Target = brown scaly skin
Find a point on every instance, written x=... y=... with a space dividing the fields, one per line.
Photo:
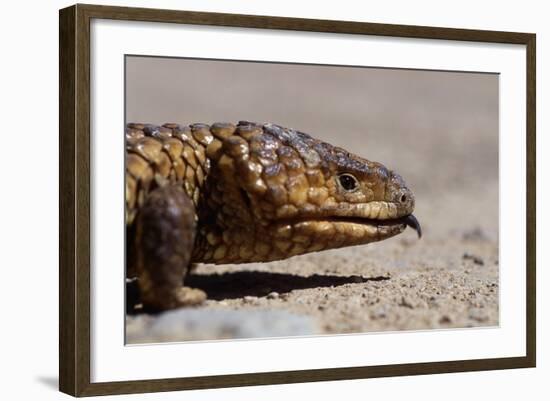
x=246 y=193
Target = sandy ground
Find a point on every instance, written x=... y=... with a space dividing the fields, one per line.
x=439 y=130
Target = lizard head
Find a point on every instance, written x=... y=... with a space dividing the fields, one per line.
x=297 y=195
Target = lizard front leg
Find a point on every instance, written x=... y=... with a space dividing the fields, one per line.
x=164 y=239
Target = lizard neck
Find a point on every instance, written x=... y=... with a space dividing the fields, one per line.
x=171 y=153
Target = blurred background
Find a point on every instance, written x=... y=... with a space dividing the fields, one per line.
x=438 y=129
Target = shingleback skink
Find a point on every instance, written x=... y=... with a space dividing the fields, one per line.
x=250 y=192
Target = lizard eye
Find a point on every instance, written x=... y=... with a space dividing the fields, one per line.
x=348 y=182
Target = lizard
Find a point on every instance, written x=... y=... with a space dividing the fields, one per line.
x=245 y=192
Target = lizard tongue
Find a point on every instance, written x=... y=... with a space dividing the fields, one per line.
x=413 y=223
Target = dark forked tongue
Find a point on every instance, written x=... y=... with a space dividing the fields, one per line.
x=411 y=221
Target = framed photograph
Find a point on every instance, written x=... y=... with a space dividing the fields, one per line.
x=250 y=200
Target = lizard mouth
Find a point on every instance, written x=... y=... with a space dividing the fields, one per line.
x=408 y=221
x=350 y=230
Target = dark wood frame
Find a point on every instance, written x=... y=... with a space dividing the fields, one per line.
x=74 y=199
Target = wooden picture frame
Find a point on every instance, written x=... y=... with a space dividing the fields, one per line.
x=75 y=204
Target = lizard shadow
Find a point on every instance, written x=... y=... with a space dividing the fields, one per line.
x=231 y=285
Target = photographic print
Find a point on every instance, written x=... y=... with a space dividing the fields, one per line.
x=312 y=199
x=269 y=200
